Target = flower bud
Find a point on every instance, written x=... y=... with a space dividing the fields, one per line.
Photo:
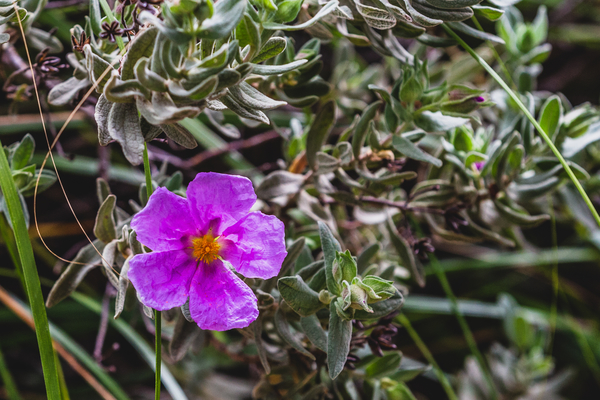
x=377 y=288
x=344 y=267
x=359 y=298
x=411 y=90
x=325 y=296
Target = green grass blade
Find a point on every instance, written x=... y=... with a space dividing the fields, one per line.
x=32 y=281
x=530 y=117
x=464 y=326
x=138 y=343
x=404 y=321
x=7 y=379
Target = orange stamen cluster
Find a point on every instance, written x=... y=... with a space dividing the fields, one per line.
x=205 y=248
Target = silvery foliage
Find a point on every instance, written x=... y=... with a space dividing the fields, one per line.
x=390 y=146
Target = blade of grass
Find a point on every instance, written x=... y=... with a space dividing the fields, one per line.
x=463 y=325
x=9 y=241
x=21 y=310
x=138 y=343
x=32 y=281
x=530 y=117
x=7 y=379
x=564 y=255
x=72 y=347
x=404 y=321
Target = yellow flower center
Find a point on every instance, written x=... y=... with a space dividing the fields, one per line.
x=205 y=248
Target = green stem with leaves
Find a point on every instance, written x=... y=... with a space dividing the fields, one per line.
x=32 y=280
x=530 y=117
x=157 y=315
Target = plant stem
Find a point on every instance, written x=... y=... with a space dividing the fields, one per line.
x=32 y=280
x=428 y=356
x=530 y=117
x=147 y=171
x=157 y=315
x=158 y=351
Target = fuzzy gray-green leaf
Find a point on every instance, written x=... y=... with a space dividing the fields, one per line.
x=299 y=296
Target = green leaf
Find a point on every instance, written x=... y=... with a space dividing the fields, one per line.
x=65 y=92
x=273 y=47
x=250 y=97
x=248 y=34
x=40 y=39
x=464 y=28
x=32 y=281
x=330 y=247
x=519 y=216
x=277 y=69
x=227 y=14
x=104 y=227
x=143 y=45
x=362 y=128
x=489 y=13
x=409 y=149
x=338 y=347
x=452 y=4
x=326 y=10
x=97 y=67
x=345 y=266
x=301 y=298
x=310 y=270
x=287 y=335
x=406 y=254
x=124 y=127
x=288 y=10
x=550 y=115
x=122 y=288
x=86 y=259
x=242 y=110
x=383 y=366
x=326 y=163
x=455 y=14
x=314 y=332
x=375 y=17
x=366 y=256
x=180 y=135
x=279 y=183
x=21 y=155
x=293 y=252
x=438 y=122
x=319 y=131
x=381 y=308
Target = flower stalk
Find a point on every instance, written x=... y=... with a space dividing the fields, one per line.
x=157 y=314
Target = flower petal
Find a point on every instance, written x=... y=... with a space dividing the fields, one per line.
x=164 y=222
x=255 y=245
x=219 y=300
x=162 y=279
x=218 y=196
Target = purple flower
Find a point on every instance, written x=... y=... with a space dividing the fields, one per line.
x=195 y=241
